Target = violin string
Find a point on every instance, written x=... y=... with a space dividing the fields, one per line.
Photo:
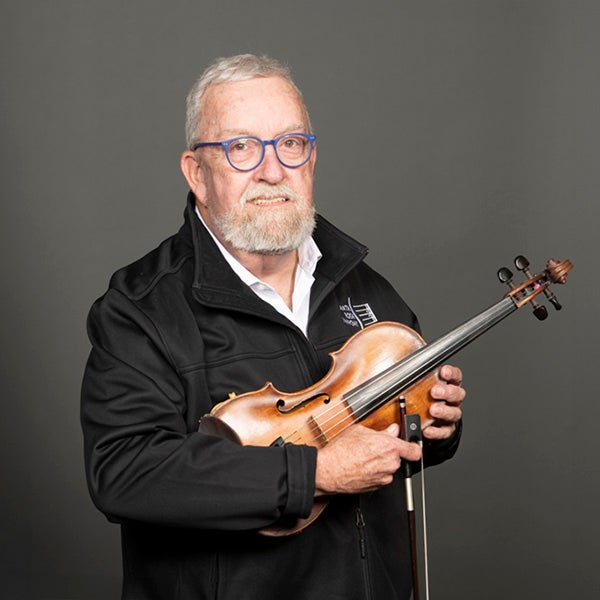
x=402 y=374
x=407 y=371
x=342 y=413
x=353 y=407
x=333 y=421
x=353 y=403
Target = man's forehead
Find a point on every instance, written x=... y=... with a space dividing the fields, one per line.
x=237 y=107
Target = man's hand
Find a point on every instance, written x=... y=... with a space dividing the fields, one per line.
x=362 y=460
x=448 y=411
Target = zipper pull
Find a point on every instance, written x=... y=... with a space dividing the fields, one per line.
x=360 y=525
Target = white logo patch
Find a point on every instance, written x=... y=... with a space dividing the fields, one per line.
x=357 y=315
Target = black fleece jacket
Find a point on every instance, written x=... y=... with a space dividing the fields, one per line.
x=175 y=334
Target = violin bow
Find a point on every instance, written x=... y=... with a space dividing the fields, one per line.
x=410 y=431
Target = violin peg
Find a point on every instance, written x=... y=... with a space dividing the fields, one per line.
x=521 y=263
x=505 y=275
x=540 y=312
x=554 y=301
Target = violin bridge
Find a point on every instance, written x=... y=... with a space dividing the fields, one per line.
x=323 y=432
x=317 y=432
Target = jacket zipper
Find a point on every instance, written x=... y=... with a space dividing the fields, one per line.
x=360 y=525
x=306 y=356
x=359 y=521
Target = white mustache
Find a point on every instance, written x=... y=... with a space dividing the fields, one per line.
x=266 y=191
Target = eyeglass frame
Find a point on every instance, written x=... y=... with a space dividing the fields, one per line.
x=311 y=137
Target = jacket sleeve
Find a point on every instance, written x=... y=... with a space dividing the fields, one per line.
x=143 y=463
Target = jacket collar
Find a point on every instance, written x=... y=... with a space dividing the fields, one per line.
x=215 y=283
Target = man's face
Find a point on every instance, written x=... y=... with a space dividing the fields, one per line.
x=269 y=209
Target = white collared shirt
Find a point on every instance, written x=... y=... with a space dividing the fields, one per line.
x=308 y=256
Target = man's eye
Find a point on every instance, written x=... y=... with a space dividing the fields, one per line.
x=239 y=146
x=291 y=142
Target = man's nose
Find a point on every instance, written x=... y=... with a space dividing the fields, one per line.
x=270 y=169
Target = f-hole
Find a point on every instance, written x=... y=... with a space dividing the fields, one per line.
x=281 y=405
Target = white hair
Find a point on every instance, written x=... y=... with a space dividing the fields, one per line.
x=225 y=70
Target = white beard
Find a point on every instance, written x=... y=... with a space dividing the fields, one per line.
x=275 y=230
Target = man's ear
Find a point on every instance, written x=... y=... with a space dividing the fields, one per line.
x=192 y=172
x=313 y=158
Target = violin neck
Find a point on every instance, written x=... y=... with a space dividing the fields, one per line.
x=429 y=357
x=401 y=375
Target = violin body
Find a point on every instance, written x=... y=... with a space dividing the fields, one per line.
x=318 y=413
x=315 y=415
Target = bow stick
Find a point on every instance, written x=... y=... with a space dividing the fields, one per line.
x=410 y=431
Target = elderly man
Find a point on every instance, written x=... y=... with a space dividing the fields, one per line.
x=253 y=288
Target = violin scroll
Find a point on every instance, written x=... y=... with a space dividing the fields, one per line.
x=557 y=271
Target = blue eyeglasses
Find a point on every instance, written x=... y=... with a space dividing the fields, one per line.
x=246 y=152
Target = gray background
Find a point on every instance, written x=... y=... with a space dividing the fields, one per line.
x=452 y=136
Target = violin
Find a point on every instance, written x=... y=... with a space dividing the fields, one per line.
x=368 y=374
